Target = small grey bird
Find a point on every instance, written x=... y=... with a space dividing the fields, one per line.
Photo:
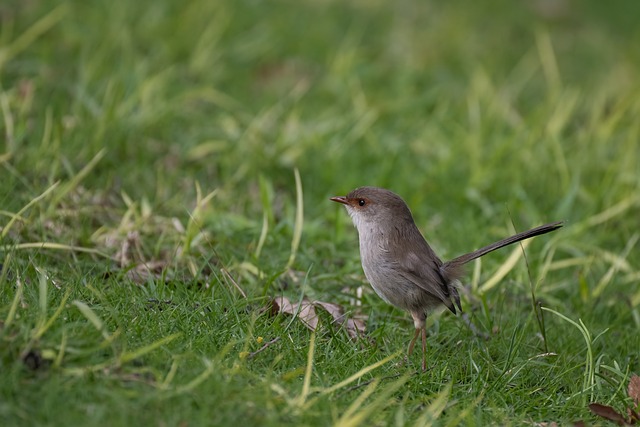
x=399 y=263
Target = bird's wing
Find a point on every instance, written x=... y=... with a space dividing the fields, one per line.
x=422 y=267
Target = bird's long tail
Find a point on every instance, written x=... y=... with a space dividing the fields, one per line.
x=463 y=259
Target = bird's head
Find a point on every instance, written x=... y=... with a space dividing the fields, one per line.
x=373 y=206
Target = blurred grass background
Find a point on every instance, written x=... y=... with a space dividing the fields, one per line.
x=166 y=134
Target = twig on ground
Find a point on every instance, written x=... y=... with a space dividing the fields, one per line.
x=226 y=273
x=263 y=348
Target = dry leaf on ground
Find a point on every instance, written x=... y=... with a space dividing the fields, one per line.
x=305 y=311
x=144 y=271
x=611 y=414
x=634 y=390
x=608 y=413
x=355 y=327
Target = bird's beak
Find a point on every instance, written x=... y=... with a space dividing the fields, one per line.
x=340 y=199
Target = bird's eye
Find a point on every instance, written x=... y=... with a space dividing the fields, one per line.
x=361 y=202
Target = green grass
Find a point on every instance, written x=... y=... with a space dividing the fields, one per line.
x=150 y=210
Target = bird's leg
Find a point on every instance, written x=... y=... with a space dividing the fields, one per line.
x=413 y=342
x=419 y=321
x=424 y=349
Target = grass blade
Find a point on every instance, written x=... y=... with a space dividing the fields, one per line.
x=505 y=268
x=306 y=385
x=14 y=304
x=33 y=201
x=353 y=417
x=589 y=369
x=435 y=409
x=606 y=279
x=32 y=33
x=55 y=246
x=93 y=318
x=75 y=181
x=297 y=228
x=131 y=355
x=362 y=372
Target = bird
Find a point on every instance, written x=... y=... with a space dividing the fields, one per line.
x=399 y=263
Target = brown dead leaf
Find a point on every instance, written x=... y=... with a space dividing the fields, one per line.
x=355 y=327
x=125 y=254
x=612 y=415
x=334 y=310
x=307 y=314
x=143 y=272
x=608 y=413
x=634 y=390
x=305 y=311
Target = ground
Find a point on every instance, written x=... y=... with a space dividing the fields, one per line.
x=165 y=174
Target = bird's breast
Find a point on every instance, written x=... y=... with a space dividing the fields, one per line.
x=382 y=272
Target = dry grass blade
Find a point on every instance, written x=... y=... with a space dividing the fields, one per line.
x=55 y=246
x=614 y=210
x=232 y=280
x=265 y=198
x=8 y=124
x=505 y=268
x=606 y=279
x=32 y=33
x=297 y=228
x=607 y=214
